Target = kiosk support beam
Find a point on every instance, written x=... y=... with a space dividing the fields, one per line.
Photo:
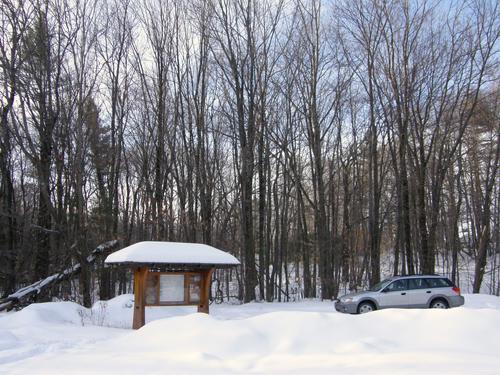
x=205 y=291
x=139 y=290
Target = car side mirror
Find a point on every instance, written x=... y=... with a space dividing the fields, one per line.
x=383 y=291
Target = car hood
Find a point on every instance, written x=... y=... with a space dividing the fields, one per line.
x=356 y=294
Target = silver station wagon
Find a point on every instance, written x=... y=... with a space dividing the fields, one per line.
x=417 y=291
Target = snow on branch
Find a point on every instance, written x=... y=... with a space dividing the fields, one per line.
x=13 y=299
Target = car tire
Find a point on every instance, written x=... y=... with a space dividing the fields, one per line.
x=439 y=303
x=366 y=307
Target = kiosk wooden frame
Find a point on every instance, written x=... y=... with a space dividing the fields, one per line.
x=151 y=260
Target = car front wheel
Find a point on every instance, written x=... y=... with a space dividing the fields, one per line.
x=365 y=307
x=439 y=304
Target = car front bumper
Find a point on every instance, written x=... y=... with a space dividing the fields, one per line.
x=456 y=301
x=346 y=307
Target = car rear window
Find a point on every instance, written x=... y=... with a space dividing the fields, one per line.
x=438 y=282
x=417 y=283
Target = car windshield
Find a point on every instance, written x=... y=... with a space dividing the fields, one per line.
x=380 y=285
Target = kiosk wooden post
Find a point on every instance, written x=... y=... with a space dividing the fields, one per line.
x=139 y=287
x=204 y=304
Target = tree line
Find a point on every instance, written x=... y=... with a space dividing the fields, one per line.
x=325 y=144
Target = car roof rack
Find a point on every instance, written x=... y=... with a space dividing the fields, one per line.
x=418 y=274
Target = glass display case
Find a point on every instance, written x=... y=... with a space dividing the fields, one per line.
x=166 y=288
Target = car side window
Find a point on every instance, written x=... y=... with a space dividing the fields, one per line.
x=437 y=283
x=396 y=286
x=417 y=283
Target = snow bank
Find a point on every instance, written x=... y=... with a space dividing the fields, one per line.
x=44 y=313
x=257 y=338
x=44 y=328
x=481 y=301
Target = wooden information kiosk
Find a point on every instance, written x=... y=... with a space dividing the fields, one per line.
x=171 y=274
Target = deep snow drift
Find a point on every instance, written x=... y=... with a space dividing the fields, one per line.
x=257 y=338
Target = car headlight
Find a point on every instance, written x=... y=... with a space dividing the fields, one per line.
x=349 y=299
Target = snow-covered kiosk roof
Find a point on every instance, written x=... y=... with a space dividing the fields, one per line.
x=172 y=254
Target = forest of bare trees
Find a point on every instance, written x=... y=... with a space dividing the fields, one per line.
x=325 y=144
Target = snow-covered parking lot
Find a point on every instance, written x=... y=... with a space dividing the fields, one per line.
x=257 y=338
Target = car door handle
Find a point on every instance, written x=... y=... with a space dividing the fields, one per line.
x=428 y=291
x=403 y=294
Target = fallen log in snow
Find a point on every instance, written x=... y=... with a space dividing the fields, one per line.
x=15 y=298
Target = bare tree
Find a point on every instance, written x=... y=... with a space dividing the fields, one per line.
x=14 y=23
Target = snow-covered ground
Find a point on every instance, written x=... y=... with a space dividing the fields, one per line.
x=258 y=338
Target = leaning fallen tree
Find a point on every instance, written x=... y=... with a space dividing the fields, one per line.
x=26 y=292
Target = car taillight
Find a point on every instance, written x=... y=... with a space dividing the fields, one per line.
x=456 y=290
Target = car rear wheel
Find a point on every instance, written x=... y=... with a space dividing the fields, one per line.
x=439 y=304
x=365 y=307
